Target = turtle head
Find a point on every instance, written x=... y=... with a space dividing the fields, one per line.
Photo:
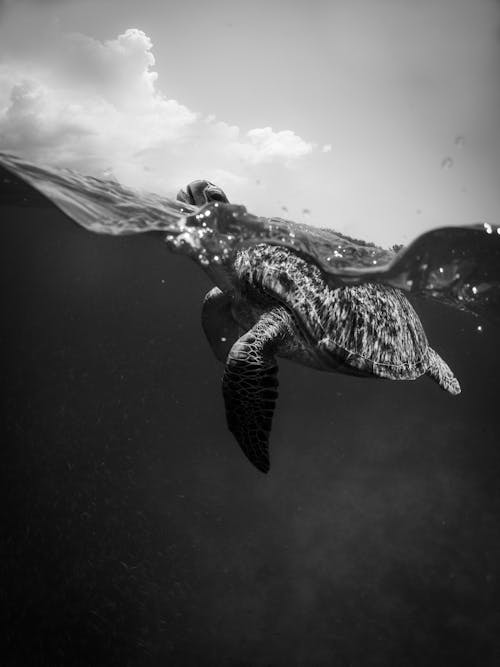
x=199 y=193
x=214 y=232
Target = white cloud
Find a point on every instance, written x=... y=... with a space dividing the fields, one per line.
x=95 y=106
x=265 y=145
x=119 y=69
x=327 y=148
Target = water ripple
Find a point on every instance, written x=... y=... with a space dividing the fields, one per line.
x=457 y=266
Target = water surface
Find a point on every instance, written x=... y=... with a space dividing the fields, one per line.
x=459 y=266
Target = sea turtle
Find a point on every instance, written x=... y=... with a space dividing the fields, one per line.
x=270 y=302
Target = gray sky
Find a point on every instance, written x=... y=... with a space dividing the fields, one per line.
x=381 y=118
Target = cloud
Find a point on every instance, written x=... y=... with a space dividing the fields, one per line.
x=113 y=65
x=96 y=106
x=264 y=145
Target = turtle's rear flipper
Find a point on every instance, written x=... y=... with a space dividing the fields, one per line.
x=442 y=373
x=250 y=385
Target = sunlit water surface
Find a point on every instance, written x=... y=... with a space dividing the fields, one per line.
x=458 y=266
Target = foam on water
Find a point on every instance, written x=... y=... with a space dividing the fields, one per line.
x=458 y=266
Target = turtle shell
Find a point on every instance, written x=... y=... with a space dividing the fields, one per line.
x=370 y=328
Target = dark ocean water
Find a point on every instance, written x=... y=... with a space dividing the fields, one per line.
x=134 y=532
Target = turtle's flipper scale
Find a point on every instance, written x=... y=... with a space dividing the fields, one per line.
x=250 y=385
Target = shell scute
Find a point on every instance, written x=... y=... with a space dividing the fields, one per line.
x=370 y=328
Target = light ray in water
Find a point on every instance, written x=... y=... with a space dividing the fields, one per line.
x=459 y=266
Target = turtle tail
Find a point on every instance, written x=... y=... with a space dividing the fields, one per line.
x=440 y=371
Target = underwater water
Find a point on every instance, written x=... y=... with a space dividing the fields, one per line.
x=134 y=530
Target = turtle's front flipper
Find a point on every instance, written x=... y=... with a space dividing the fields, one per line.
x=250 y=384
x=218 y=324
x=442 y=373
